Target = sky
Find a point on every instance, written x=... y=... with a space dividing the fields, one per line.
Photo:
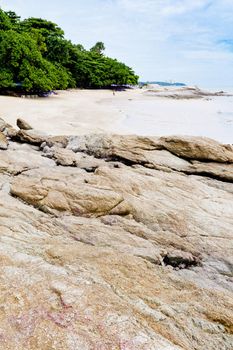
x=188 y=41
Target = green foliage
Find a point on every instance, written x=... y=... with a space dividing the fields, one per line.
x=5 y=22
x=20 y=55
x=98 y=48
x=6 y=78
x=14 y=19
x=35 y=56
x=46 y=28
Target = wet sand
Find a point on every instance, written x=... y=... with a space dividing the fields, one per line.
x=128 y=112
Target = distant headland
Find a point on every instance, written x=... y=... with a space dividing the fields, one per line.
x=161 y=83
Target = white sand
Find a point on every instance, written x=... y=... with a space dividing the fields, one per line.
x=130 y=112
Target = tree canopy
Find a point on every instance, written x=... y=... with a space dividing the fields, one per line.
x=35 y=56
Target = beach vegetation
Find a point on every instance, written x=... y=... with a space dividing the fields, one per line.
x=35 y=56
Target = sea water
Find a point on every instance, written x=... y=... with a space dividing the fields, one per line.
x=211 y=117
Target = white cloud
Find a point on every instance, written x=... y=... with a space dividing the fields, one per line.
x=179 y=7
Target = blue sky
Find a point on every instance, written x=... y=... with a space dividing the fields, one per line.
x=182 y=40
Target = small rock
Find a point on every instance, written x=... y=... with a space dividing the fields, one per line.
x=30 y=136
x=3 y=124
x=7 y=129
x=23 y=125
x=3 y=141
x=10 y=132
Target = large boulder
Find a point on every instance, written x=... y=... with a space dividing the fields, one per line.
x=76 y=195
x=198 y=148
x=137 y=149
x=19 y=158
x=66 y=157
x=130 y=148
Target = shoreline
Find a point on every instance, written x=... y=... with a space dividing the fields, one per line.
x=79 y=112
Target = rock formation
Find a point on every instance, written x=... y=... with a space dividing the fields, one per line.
x=115 y=242
x=182 y=93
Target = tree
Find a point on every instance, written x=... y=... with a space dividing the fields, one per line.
x=98 y=48
x=20 y=56
x=47 y=28
x=13 y=17
x=6 y=79
x=5 y=22
x=35 y=56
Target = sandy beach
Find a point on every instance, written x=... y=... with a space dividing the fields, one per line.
x=127 y=112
